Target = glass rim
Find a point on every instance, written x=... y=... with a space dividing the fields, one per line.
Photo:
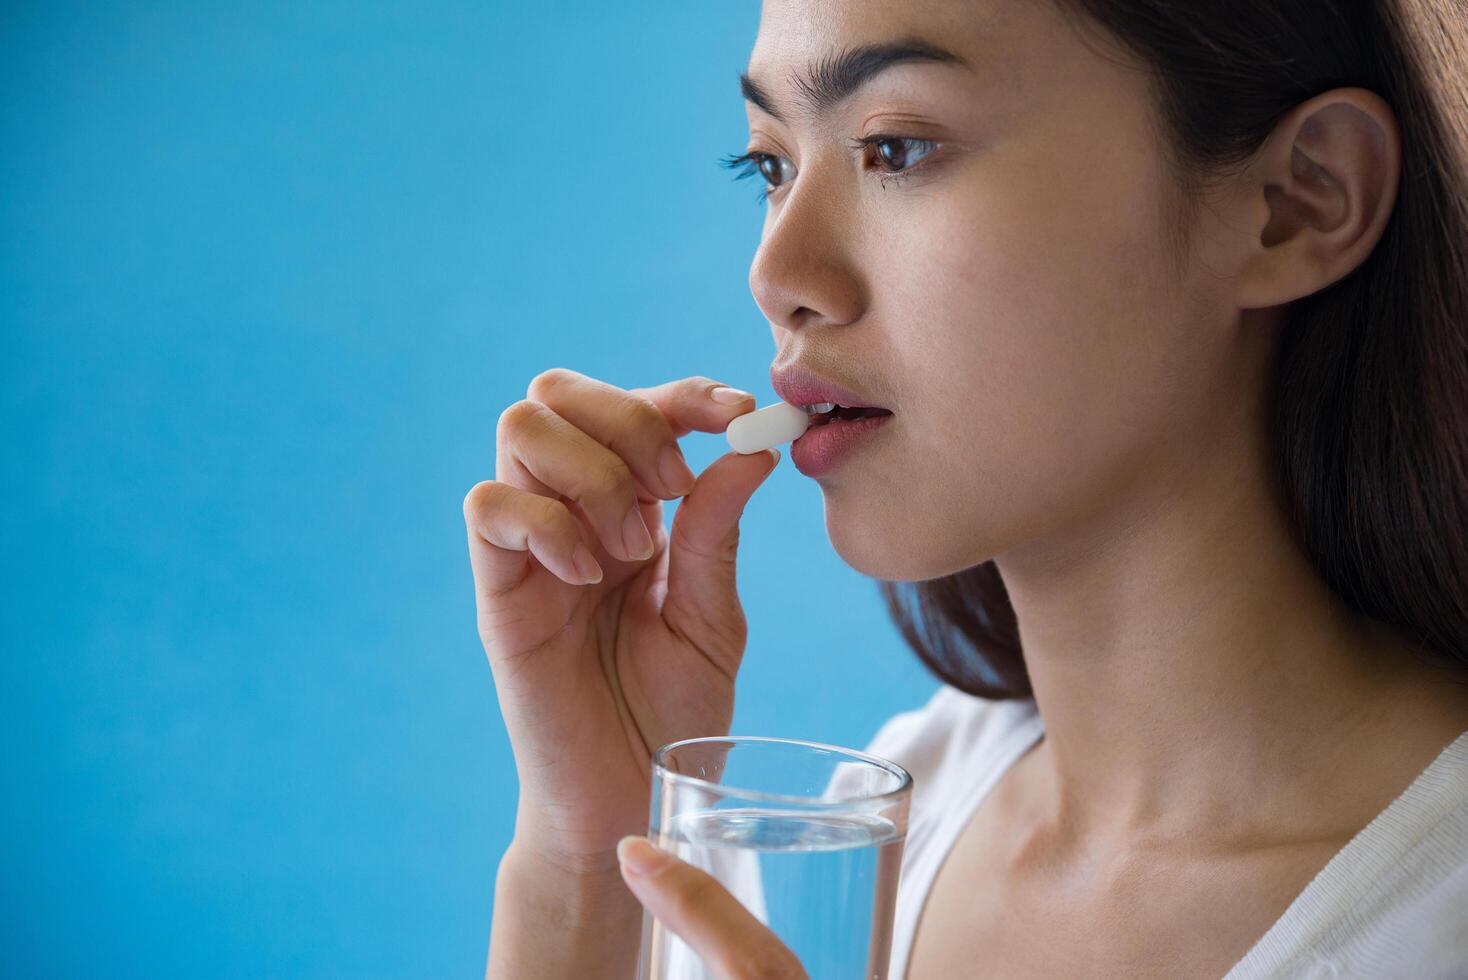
x=904 y=786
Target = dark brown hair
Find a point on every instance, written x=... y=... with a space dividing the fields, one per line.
x=1371 y=381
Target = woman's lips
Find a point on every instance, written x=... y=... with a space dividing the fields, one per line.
x=822 y=447
x=800 y=386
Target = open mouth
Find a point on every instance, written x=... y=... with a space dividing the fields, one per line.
x=842 y=414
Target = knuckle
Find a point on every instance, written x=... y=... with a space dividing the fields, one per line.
x=478 y=498
x=611 y=480
x=725 y=551
x=766 y=966
x=787 y=968
x=547 y=381
x=555 y=514
x=517 y=414
x=638 y=414
x=691 y=897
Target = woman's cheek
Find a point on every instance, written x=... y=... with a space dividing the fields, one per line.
x=1018 y=419
x=1023 y=331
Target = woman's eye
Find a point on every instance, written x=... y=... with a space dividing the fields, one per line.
x=894 y=156
x=898 y=153
x=775 y=170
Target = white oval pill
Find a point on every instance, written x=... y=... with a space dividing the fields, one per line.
x=765 y=428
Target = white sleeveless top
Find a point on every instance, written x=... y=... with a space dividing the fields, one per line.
x=1392 y=903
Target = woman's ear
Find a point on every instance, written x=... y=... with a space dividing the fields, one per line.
x=1323 y=184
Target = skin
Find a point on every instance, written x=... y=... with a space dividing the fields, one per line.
x=1218 y=725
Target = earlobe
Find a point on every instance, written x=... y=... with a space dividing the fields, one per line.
x=1328 y=178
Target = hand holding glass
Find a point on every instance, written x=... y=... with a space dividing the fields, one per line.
x=806 y=836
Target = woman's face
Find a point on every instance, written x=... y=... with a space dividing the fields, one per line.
x=1014 y=297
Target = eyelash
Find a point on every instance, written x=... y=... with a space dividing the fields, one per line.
x=748 y=163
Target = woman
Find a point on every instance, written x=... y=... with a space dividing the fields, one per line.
x=1169 y=303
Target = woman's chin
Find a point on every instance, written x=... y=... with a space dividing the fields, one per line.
x=882 y=548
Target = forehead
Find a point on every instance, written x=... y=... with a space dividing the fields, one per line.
x=795 y=32
x=1008 y=44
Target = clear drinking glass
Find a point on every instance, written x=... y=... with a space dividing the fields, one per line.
x=807 y=836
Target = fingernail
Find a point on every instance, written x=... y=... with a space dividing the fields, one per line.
x=635 y=536
x=677 y=477
x=776 y=453
x=639 y=856
x=586 y=564
x=729 y=396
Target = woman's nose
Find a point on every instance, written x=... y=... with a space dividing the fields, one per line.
x=806 y=266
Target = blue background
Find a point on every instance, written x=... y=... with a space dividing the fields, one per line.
x=269 y=272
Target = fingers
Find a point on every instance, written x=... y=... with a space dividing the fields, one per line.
x=505 y=523
x=640 y=425
x=578 y=449
x=697 y=404
x=702 y=600
x=715 y=925
x=560 y=456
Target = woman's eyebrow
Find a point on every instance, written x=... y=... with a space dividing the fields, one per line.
x=837 y=76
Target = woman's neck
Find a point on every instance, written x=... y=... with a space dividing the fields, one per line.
x=1197 y=678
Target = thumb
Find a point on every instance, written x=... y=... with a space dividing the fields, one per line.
x=702 y=601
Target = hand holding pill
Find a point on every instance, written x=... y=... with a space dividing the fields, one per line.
x=767 y=427
x=602 y=628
